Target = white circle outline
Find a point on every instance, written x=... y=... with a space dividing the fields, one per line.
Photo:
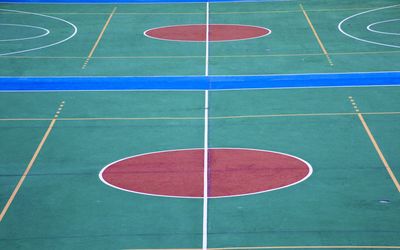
x=231 y=40
x=382 y=32
x=364 y=40
x=310 y=171
x=45 y=46
x=46 y=32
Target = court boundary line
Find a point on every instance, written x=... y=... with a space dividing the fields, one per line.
x=99 y=38
x=31 y=162
x=231 y=117
x=316 y=35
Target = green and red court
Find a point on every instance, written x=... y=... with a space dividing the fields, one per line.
x=191 y=167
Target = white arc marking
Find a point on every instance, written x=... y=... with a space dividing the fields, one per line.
x=45 y=46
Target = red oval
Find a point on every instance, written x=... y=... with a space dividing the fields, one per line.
x=232 y=172
x=217 y=32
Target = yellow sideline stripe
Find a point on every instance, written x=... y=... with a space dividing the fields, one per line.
x=99 y=38
x=378 y=150
x=317 y=36
x=32 y=161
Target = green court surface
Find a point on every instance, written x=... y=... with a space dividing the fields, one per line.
x=305 y=39
x=349 y=200
x=55 y=145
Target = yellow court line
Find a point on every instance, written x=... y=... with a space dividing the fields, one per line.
x=130 y=118
x=317 y=36
x=199 y=117
x=43 y=57
x=32 y=161
x=120 y=13
x=161 y=13
x=303 y=115
x=378 y=150
x=279 y=115
x=284 y=11
x=202 y=56
x=25 y=119
x=99 y=38
x=310 y=54
x=100 y=57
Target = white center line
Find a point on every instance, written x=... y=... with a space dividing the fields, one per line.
x=207 y=36
x=205 y=174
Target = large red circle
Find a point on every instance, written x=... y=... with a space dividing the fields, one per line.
x=232 y=172
x=217 y=32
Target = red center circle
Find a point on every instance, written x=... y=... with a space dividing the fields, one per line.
x=197 y=32
x=232 y=172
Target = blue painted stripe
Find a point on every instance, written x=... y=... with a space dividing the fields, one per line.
x=198 y=83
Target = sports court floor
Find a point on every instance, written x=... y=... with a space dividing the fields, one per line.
x=185 y=166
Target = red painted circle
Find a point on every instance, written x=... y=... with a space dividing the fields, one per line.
x=232 y=172
x=217 y=32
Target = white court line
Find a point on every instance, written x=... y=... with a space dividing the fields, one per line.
x=46 y=32
x=45 y=46
x=207 y=36
x=364 y=40
x=237 y=75
x=205 y=174
x=382 y=32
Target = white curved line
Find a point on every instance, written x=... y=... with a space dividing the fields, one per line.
x=230 y=40
x=45 y=46
x=46 y=32
x=363 y=40
x=310 y=171
x=369 y=27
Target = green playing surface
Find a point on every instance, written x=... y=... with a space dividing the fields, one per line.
x=349 y=135
x=123 y=50
x=63 y=204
